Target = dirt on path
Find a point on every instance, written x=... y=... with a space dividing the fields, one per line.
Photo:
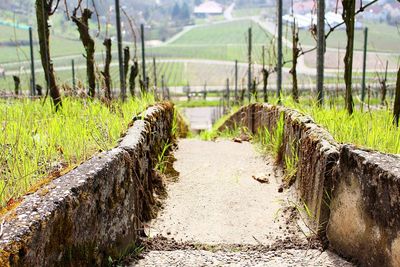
x=218 y=214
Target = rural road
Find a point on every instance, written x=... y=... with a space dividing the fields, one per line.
x=228 y=12
x=218 y=214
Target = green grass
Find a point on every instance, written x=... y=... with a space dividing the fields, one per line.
x=36 y=142
x=271 y=142
x=246 y=12
x=223 y=33
x=369 y=129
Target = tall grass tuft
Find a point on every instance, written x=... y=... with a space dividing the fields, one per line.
x=37 y=143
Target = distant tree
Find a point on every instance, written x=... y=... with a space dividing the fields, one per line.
x=198 y=2
x=185 y=12
x=176 y=11
x=146 y=13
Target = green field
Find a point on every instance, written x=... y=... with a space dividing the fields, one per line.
x=246 y=12
x=175 y=73
x=381 y=37
x=221 y=41
x=59 y=46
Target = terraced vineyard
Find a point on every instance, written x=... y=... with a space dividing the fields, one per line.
x=219 y=41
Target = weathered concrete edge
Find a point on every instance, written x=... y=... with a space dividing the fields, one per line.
x=353 y=193
x=94 y=211
x=316 y=150
x=365 y=209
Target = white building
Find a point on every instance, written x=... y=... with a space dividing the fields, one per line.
x=209 y=8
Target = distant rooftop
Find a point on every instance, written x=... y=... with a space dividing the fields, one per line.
x=209 y=7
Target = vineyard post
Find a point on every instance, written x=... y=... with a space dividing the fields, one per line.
x=167 y=90
x=205 y=91
x=320 y=51
x=364 y=67
x=227 y=93
x=396 y=107
x=249 y=71
x=236 y=81
x=33 y=78
x=120 y=55
x=155 y=72
x=384 y=84
x=163 y=87
x=280 y=56
x=73 y=75
x=143 y=56
x=155 y=77
x=221 y=110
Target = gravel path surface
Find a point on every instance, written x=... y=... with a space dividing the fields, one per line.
x=290 y=257
x=217 y=208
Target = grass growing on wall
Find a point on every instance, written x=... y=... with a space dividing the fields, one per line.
x=36 y=142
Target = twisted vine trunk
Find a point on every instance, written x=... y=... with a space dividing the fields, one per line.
x=83 y=28
x=132 y=77
x=127 y=57
x=265 y=75
x=349 y=19
x=17 y=82
x=106 y=72
x=293 y=71
x=384 y=85
x=396 y=108
x=43 y=12
x=254 y=89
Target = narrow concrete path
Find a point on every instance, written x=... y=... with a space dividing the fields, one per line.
x=217 y=214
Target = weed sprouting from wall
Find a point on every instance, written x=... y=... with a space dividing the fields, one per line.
x=291 y=166
x=272 y=142
x=162 y=160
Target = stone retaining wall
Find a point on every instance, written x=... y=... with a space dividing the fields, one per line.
x=353 y=194
x=95 y=211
